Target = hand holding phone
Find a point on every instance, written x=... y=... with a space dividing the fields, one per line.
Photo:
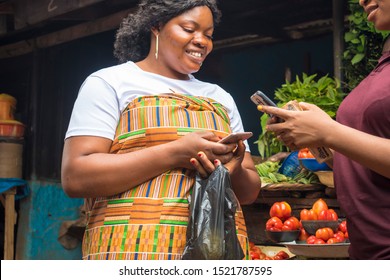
x=235 y=137
x=259 y=98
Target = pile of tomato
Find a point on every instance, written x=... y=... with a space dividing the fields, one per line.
x=257 y=254
x=282 y=220
x=319 y=211
x=305 y=153
x=326 y=235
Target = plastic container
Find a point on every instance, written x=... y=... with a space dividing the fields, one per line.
x=290 y=166
x=313 y=165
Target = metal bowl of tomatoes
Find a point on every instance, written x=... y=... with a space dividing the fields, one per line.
x=282 y=236
x=311 y=226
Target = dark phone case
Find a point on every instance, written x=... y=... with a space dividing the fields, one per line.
x=259 y=98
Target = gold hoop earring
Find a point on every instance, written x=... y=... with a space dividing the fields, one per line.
x=156 y=52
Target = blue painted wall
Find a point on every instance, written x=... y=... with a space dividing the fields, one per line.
x=40 y=217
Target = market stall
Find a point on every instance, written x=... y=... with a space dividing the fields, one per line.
x=296 y=191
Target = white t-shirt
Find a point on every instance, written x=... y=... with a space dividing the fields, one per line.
x=105 y=93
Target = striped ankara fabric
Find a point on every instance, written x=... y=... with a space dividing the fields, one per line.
x=149 y=222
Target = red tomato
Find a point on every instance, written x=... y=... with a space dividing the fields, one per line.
x=314 y=240
x=319 y=205
x=343 y=226
x=286 y=227
x=311 y=239
x=274 y=224
x=302 y=153
x=305 y=153
x=329 y=215
x=308 y=214
x=256 y=249
x=339 y=236
x=283 y=255
x=291 y=223
x=324 y=233
x=254 y=255
x=303 y=235
x=332 y=240
x=282 y=210
x=295 y=221
x=319 y=241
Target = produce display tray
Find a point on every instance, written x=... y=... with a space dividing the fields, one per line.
x=293 y=187
x=320 y=251
x=273 y=250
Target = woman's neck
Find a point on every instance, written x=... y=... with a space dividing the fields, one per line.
x=150 y=64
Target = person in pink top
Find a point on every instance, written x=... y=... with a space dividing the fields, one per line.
x=360 y=139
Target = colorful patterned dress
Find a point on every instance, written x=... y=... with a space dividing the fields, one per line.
x=149 y=222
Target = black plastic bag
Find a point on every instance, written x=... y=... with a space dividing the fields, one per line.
x=211 y=232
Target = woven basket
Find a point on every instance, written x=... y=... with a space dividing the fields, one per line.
x=326 y=178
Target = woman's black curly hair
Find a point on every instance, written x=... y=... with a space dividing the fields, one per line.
x=133 y=36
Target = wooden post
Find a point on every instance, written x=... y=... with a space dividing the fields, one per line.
x=338 y=37
x=10 y=221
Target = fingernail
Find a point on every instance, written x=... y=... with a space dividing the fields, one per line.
x=260 y=107
x=192 y=161
x=216 y=161
x=199 y=154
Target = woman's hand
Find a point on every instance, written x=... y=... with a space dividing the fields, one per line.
x=206 y=166
x=301 y=129
x=203 y=165
x=244 y=178
x=190 y=145
x=238 y=156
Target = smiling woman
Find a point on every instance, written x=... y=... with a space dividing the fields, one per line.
x=140 y=131
x=188 y=39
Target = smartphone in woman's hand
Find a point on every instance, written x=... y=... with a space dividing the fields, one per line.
x=259 y=98
x=235 y=137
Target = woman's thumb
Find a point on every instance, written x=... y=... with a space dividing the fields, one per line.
x=306 y=106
